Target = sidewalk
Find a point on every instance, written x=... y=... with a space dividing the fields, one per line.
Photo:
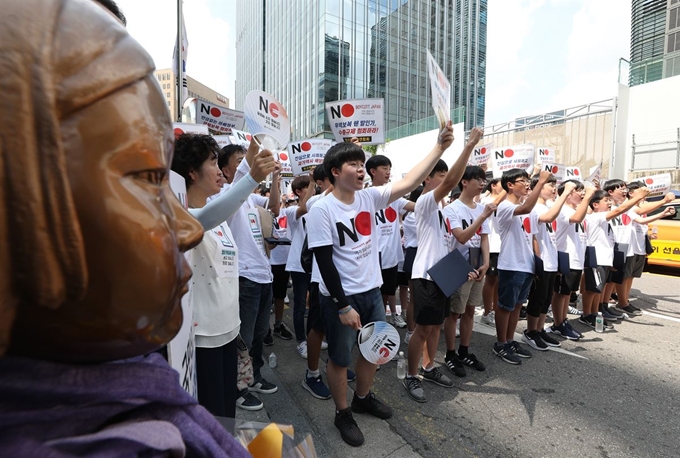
x=292 y=404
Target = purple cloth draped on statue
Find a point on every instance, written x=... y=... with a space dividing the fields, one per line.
x=134 y=407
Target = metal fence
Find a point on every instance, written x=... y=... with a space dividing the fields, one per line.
x=656 y=150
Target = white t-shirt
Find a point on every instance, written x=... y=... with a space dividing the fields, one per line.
x=433 y=231
x=461 y=216
x=623 y=228
x=214 y=288
x=546 y=237
x=410 y=233
x=298 y=230
x=517 y=251
x=279 y=254
x=571 y=238
x=494 y=235
x=601 y=237
x=387 y=222
x=351 y=230
x=638 y=239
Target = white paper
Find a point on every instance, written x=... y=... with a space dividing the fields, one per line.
x=361 y=118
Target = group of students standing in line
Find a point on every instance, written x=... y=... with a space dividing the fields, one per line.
x=355 y=232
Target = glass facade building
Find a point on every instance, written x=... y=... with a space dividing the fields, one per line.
x=671 y=63
x=647 y=36
x=307 y=53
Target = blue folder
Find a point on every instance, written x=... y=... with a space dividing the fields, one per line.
x=451 y=272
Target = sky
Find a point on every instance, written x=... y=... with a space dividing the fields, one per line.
x=542 y=55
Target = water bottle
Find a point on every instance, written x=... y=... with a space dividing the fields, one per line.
x=599 y=322
x=401 y=366
x=272 y=360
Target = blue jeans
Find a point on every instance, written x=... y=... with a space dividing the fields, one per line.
x=301 y=282
x=341 y=338
x=255 y=303
x=513 y=288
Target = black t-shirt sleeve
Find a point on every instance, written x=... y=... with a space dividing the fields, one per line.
x=330 y=275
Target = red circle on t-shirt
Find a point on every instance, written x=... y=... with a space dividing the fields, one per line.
x=527 y=225
x=625 y=219
x=363 y=223
x=283 y=222
x=554 y=226
x=347 y=110
x=391 y=214
x=508 y=153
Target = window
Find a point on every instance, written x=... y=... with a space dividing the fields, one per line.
x=167 y=94
x=674 y=19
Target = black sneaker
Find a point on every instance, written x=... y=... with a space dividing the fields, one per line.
x=436 y=376
x=613 y=311
x=248 y=401
x=605 y=313
x=533 y=338
x=523 y=313
x=505 y=352
x=282 y=332
x=519 y=350
x=588 y=320
x=571 y=328
x=414 y=388
x=549 y=341
x=471 y=361
x=635 y=308
x=263 y=387
x=455 y=366
x=629 y=310
x=607 y=324
x=371 y=404
x=268 y=339
x=349 y=431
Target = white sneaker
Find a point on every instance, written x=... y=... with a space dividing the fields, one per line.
x=407 y=337
x=324 y=345
x=286 y=300
x=489 y=319
x=398 y=321
x=302 y=349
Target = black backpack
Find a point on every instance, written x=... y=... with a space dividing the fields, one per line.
x=306 y=257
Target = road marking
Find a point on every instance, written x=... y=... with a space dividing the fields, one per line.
x=489 y=331
x=664 y=317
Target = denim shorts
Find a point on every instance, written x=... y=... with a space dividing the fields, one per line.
x=513 y=288
x=341 y=339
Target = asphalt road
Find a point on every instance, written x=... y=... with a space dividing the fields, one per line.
x=608 y=395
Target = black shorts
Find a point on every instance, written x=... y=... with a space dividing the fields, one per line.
x=314 y=317
x=389 y=278
x=280 y=283
x=567 y=284
x=493 y=264
x=403 y=278
x=430 y=305
x=540 y=295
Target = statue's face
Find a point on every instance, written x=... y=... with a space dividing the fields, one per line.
x=134 y=229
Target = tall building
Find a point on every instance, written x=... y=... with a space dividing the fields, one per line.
x=654 y=40
x=307 y=53
x=166 y=79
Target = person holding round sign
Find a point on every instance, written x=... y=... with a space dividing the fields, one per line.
x=348 y=270
x=92 y=241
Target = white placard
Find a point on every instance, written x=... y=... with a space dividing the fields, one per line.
x=219 y=119
x=595 y=174
x=559 y=170
x=239 y=137
x=481 y=155
x=441 y=91
x=222 y=140
x=183 y=128
x=307 y=154
x=513 y=157
x=546 y=155
x=267 y=120
x=573 y=173
x=182 y=349
x=658 y=185
x=361 y=118
x=286 y=168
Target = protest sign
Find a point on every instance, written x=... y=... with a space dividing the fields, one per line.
x=595 y=174
x=513 y=157
x=267 y=120
x=219 y=119
x=182 y=349
x=559 y=170
x=307 y=154
x=481 y=155
x=222 y=140
x=573 y=173
x=239 y=137
x=441 y=91
x=658 y=185
x=546 y=155
x=183 y=128
x=286 y=167
x=361 y=118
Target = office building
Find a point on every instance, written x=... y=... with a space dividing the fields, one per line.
x=307 y=53
x=166 y=79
